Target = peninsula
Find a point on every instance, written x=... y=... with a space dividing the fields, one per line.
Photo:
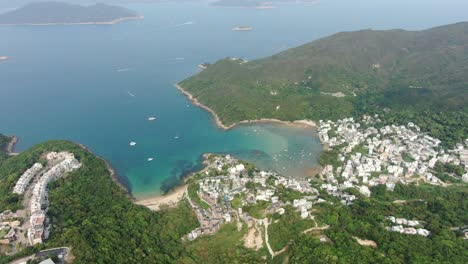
x=390 y=71
x=57 y=13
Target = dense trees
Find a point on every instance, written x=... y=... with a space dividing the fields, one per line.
x=92 y=214
x=4 y=140
x=334 y=76
x=439 y=208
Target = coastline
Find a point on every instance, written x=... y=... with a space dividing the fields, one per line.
x=113 y=173
x=173 y=197
x=219 y=123
x=11 y=145
x=111 y=22
x=169 y=199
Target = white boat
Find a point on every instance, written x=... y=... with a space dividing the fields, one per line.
x=176 y=137
x=150 y=159
x=133 y=143
x=151 y=118
x=242 y=28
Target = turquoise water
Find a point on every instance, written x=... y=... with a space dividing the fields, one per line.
x=98 y=84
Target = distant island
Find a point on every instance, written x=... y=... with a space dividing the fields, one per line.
x=57 y=13
x=259 y=4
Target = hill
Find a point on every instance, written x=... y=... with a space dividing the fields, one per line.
x=45 y=13
x=345 y=73
x=4 y=141
x=93 y=215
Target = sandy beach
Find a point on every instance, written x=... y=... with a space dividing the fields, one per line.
x=169 y=199
x=172 y=198
x=301 y=123
x=112 y=22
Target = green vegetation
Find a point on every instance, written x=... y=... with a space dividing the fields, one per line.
x=4 y=140
x=192 y=193
x=289 y=226
x=440 y=208
x=56 y=12
x=92 y=214
x=237 y=201
x=286 y=194
x=450 y=126
x=419 y=75
x=360 y=149
x=256 y=210
x=330 y=157
x=449 y=172
x=226 y=246
x=407 y=157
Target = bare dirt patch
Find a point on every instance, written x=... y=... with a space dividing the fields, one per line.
x=253 y=239
x=365 y=242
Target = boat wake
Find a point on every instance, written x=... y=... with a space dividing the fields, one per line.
x=129 y=93
x=183 y=24
x=124 y=70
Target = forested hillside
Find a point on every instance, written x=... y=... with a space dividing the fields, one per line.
x=92 y=214
x=344 y=74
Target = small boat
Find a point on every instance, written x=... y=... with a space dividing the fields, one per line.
x=242 y=28
x=151 y=118
x=133 y=143
x=150 y=159
x=176 y=137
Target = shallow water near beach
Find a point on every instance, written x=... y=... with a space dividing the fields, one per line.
x=97 y=85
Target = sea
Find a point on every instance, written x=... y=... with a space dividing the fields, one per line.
x=98 y=84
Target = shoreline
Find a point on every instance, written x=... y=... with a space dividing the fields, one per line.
x=173 y=197
x=219 y=123
x=11 y=145
x=111 y=22
x=169 y=199
x=113 y=173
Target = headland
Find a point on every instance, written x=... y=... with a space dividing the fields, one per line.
x=220 y=124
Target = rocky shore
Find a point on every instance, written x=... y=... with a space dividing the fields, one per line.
x=219 y=123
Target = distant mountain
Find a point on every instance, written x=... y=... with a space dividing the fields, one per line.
x=337 y=75
x=20 y=3
x=64 y=13
x=257 y=3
